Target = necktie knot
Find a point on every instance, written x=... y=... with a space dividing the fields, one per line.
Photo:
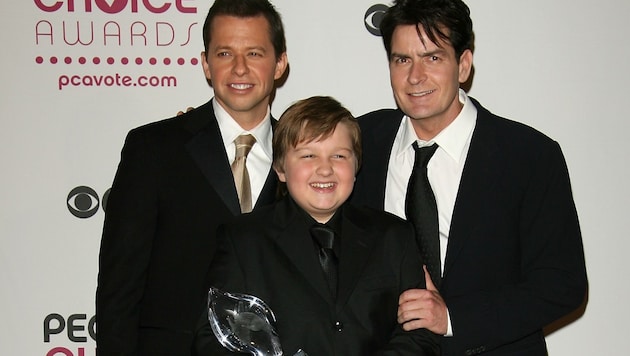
x=244 y=144
x=323 y=235
x=424 y=154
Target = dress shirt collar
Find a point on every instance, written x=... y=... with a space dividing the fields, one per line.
x=334 y=223
x=230 y=130
x=453 y=139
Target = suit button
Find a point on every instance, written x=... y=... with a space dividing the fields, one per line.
x=475 y=351
x=338 y=326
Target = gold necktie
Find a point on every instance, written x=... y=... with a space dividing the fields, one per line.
x=243 y=145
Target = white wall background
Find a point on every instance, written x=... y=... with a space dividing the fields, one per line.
x=561 y=66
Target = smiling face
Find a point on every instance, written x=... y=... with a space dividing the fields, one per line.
x=320 y=174
x=425 y=79
x=242 y=65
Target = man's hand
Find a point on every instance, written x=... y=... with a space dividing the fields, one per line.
x=187 y=110
x=423 y=308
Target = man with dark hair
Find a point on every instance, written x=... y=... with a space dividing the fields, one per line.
x=489 y=198
x=178 y=179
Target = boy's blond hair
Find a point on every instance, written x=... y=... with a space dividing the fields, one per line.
x=311 y=119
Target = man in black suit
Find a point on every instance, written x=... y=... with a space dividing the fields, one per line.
x=271 y=254
x=509 y=250
x=174 y=186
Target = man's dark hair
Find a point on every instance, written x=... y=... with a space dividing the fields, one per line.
x=244 y=9
x=448 y=20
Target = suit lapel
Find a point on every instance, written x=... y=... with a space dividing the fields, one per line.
x=356 y=245
x=269 y=193
x=295 y=242
x=479 y=179
x=378 y=140
x=207 y=149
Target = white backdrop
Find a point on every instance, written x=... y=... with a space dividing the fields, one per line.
x=560 y=66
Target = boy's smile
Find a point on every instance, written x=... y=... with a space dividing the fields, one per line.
x=320 y=174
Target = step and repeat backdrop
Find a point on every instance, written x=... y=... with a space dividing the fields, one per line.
x=77 y=75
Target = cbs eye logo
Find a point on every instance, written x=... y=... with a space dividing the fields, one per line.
x=83 y=202
x=373 y=17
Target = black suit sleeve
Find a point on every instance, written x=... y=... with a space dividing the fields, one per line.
x=128 y=234
x=225 y=274
x=420 y=341
x=553 y=275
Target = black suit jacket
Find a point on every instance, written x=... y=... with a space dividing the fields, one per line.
x=270 y=254
x=514 y=261
x=172 y=189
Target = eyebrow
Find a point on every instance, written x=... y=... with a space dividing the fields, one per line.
x=398 y=55
x=438 y=51
x=434 y=52
x=228 y=47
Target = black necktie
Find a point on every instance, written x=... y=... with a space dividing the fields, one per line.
x=421 y=211
x=325 y=238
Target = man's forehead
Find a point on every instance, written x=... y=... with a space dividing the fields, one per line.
x=244 y=28
x=254 y=20
x=424 y=38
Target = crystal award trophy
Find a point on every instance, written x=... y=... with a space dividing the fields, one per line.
x=244 y=323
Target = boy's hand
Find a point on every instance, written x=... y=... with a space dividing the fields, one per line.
x=423 y=308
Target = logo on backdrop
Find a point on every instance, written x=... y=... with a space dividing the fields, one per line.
x=93 y=42
x=83 y=202
x=78 y=329
x=373 y=17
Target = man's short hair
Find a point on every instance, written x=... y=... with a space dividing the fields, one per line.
x=448 y=20
x=245 y=9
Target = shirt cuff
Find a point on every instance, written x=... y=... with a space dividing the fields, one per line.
x=449 y=329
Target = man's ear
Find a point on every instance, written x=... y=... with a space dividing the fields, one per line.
x=281 y=66
x=465 y=65
x=205 y=65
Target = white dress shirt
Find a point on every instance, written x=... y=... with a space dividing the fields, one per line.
x=444 y=169
x=259 y=158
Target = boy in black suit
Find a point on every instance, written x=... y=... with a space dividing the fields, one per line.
x=273 y=253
